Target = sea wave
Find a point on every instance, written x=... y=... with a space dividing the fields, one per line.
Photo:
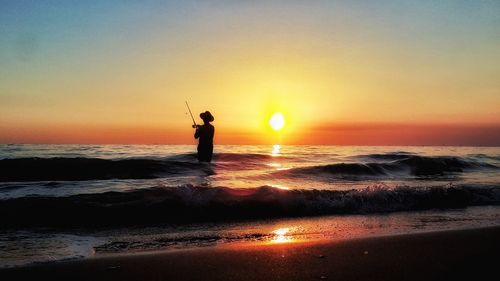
x=410 y=165
x=485 y=156
x=68 y=169
x=238 y=157
x=77 y=169
x=80 y=168
x=199 y=203
x=386 y=156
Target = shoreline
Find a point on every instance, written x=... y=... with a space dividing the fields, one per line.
x=453 y=254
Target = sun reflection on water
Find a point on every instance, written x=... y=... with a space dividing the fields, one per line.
x=276 y=150
x=278 y=186
x=281 y=236
x=274 y=165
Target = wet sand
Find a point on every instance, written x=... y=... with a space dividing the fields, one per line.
x=451 y=255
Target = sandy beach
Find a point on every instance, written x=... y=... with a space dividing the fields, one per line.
x=450 y=255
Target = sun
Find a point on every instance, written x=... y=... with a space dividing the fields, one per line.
x=277 y=121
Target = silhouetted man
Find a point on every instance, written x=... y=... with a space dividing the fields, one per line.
x=205 y=134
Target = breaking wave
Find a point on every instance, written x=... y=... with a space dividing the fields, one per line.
x=197 y=203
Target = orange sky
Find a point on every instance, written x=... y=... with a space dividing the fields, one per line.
x=368 y=73
x=334 y=134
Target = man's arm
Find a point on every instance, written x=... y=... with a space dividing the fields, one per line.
x=197 y=133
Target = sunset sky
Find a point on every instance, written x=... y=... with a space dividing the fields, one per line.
x=340 y=72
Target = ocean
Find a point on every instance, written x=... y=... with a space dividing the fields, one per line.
x=60 y=202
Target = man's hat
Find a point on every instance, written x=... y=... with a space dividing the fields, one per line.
x=207 y=116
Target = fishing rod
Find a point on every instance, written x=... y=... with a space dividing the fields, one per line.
x=194 y=122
